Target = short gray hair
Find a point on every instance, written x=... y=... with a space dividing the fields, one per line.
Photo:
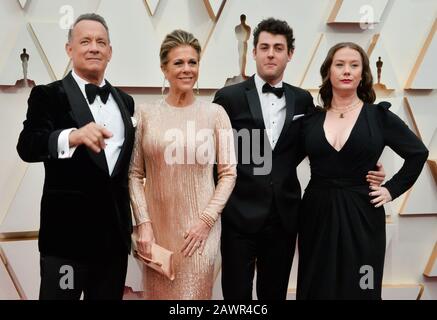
x=92 y=17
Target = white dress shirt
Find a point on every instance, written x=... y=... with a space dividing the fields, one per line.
x=107 y=115
x=273 y=110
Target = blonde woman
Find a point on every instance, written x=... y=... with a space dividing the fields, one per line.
x=178 y=139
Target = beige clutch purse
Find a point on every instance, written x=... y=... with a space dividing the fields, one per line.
x=161 y=261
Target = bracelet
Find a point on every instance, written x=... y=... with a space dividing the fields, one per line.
x=207 y=219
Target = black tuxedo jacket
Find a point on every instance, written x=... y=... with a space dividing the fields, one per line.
x=252 y=197
x=85 y=211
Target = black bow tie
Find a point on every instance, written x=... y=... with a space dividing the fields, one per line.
x=92 y=90
x=276 y=91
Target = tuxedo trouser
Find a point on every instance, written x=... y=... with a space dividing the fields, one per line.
x=66 y=279
x=270 y=251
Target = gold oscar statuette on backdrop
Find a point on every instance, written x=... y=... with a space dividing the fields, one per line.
x=25 y=82
x=242 y=33
x=379 y=85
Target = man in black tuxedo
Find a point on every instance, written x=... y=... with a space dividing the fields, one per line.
x=81 y=128
x=259 y=222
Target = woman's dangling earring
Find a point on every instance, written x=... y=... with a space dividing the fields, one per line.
x=197 y=89
x=163 y=88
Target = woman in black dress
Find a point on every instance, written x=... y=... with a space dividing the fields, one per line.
x=342 y=227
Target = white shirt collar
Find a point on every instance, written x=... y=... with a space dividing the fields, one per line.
x=82 y=82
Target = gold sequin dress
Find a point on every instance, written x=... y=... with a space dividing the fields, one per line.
x=172 y=185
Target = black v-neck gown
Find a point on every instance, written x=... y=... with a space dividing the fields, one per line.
x=341 y=234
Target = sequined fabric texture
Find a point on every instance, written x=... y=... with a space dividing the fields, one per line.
x=171 y=184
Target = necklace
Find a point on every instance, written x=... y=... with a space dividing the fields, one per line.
x=345 y=110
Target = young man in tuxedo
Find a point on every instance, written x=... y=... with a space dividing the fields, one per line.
x=259 y=222
x=81 y=129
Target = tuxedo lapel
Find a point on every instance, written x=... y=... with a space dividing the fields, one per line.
x=254 y=103
x=82 y=114
x=289 y=107
x=128 y=130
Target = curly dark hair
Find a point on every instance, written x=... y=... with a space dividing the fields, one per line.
x=364 y=91
x=274 y=26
